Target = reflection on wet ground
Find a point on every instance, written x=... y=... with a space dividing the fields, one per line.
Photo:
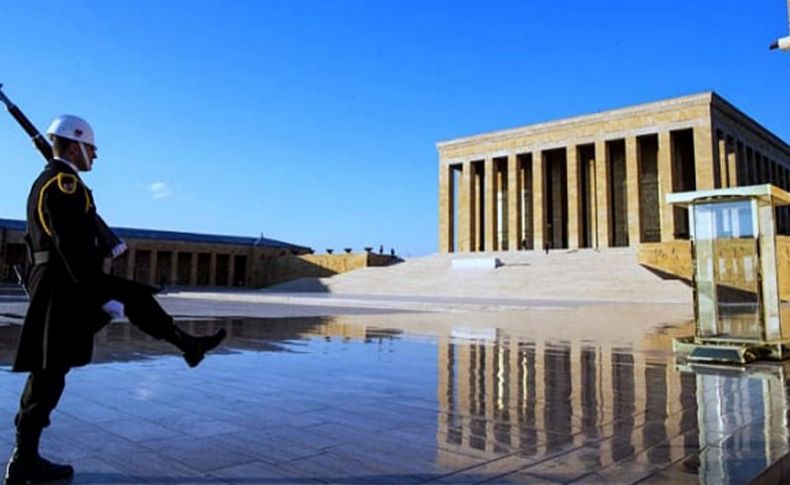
x=319 y=400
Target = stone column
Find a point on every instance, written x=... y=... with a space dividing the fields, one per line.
x=757 y=167
x=503 y=216
x=131 y=255
x=193 y=269
x=748 y=174
x=538 y=212
x=490 y=190
x=173 y=267
x=665 y=186
x=514 y=215
x=632 y=189
x=465 y=205
x=153 y=265
x=445 y=208
x=574 y=204
x=601 y=195
x=212 y=273
x=591 y=212
x=703 y=158
x=764 y=177
x=774 y=175
x=733 y=164
x=479 y=209
x=721 y=146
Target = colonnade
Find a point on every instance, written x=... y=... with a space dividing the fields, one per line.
x=576 y=187
x=187 y=268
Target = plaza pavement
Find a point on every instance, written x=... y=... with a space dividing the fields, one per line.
x=358 y=388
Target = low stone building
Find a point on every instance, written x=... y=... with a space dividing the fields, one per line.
x=172 y=258
x=600 y=180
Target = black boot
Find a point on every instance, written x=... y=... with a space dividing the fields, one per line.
x=195 y=348
x=27 y=466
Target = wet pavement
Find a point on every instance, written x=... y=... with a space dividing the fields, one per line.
x=330 y=400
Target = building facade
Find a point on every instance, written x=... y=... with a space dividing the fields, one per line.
x=600 y=180
x=169 y=258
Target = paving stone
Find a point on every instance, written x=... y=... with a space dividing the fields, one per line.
x=260 y=472
x=196 y=426
x=152 y=467
x=266 y=448
x=210 y=454
x=138 y=430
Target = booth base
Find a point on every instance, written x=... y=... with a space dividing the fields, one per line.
x=729 y=352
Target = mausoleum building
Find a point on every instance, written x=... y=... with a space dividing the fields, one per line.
x=600 y=180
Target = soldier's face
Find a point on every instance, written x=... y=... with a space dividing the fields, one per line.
x=85 y=156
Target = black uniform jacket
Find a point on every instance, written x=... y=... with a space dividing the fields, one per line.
x=66 y=291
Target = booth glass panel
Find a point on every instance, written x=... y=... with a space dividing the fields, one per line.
x=768 y=272
x=727 y=270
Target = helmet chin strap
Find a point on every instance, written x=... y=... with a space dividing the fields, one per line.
x=88 y=161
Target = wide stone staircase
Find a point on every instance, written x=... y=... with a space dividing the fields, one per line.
x=579 y=275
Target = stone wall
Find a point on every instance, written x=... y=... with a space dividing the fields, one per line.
x=286 y=268
x=673 y=259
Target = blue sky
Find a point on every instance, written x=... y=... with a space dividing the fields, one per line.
x=316 y=122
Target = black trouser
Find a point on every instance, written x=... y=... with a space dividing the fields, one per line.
x=40 y=396
x=140 y=306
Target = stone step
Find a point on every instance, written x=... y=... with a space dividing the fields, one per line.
x=610 y=275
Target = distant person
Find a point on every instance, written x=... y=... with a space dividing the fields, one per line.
x=71 y=298
x=381 y=249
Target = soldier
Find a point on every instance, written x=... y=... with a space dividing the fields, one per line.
x=71 y=298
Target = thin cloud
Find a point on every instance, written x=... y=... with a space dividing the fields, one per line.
x=159 y=190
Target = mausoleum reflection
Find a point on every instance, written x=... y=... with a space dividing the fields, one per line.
x=508 y=396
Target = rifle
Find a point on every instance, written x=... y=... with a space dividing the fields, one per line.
x=108 y=241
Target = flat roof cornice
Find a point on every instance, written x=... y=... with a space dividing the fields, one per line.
x=733 y=112
x=189 y=237
x=663 y=105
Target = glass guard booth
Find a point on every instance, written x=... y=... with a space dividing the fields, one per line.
x=737 y=297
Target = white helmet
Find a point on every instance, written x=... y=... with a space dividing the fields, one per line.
x=72 y=128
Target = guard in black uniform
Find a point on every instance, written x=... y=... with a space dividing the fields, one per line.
x=71 y=298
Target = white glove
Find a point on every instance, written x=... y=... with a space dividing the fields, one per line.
x=113 y=308
x=119 y=249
